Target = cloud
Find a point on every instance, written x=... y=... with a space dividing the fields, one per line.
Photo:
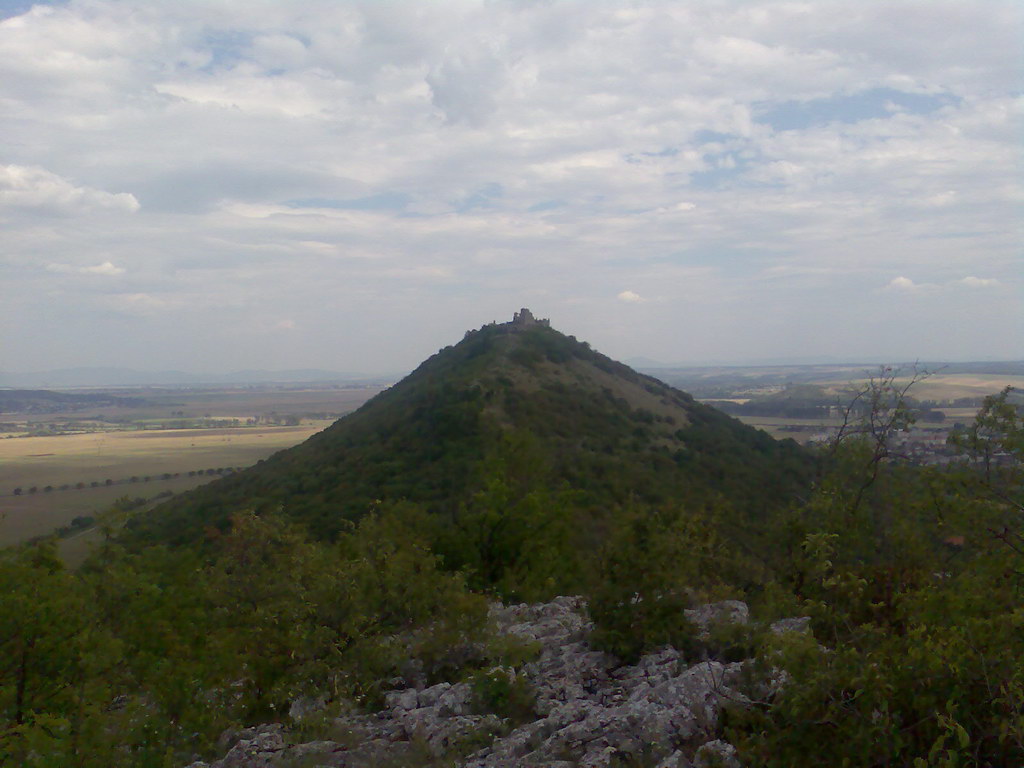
x=901 y=284
x=906 y=285
x=359 y=164
x=978 y=282
x=143 y=304
x=107 y=268
x=37 y=189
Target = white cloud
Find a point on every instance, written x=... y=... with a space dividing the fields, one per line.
x=906 y=285
x=107 y=268
x=141 y=303
x=345 y=161
x=979 y=282
x=37 y=189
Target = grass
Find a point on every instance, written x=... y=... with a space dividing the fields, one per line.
x=27 y=516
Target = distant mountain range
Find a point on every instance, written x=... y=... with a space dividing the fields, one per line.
x=129 y=377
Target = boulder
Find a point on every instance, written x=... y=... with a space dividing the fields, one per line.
x=716 y=754
x=725 y=612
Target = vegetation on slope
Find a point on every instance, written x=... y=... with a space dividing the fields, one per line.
x=911 y=577
x=594 y=426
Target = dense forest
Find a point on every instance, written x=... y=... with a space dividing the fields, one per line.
x=581 y=422
x=328 y=569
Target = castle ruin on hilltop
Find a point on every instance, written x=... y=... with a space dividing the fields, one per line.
x=524 y=319
x=521 y=321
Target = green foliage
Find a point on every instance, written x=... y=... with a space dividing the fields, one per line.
x=596 y=428
x=923 y=642
x=656 y=563
x=505 y=693
x=885 y=694
x=521 y=465
x=140 y=657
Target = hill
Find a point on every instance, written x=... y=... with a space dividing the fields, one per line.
x=519 y=398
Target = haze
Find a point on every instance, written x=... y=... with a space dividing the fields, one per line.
x=350 y=185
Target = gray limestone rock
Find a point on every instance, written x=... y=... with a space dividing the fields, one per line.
x=716 y=754
x=798 y=624
x=676 y=760
x=591 y=711
x=724 y=612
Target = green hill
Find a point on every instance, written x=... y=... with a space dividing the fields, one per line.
x=566 y=416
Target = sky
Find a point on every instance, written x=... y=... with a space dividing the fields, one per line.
x=213 y=185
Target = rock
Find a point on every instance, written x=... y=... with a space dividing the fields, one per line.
x=591 y=711
x=716 y=754
x=724 y=612
x=800 y=624
x=305 y=706
x=428 y=696
x=257 y=752
x=310 y=749
x=456 y=700
x=676 y=760
x=402 y=700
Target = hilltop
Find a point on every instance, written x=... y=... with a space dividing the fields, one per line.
x=518 y=398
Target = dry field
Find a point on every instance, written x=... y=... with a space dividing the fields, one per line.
x=226 y=403
x=952 y=386
x=776 y=426
x=119 y=456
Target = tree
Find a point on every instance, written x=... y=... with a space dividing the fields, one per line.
x=47 y=646
x=878 y=410
x=914 y=658
x=993 y=470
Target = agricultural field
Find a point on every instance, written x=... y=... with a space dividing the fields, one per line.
x=949 y=387
x=94 y=458
x=781 y=428
x=951 y=397
x=142 y=463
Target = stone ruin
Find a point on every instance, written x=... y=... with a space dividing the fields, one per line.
x=524 y=318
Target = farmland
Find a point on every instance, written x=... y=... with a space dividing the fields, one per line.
x=55 y=467
x=777 y=399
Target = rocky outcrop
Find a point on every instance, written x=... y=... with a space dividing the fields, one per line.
x=590 y=711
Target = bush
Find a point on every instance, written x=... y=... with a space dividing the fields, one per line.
x=503 y=692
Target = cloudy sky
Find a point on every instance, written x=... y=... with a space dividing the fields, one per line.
x=219 y=184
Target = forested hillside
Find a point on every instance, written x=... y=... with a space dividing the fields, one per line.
x=539 y=404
